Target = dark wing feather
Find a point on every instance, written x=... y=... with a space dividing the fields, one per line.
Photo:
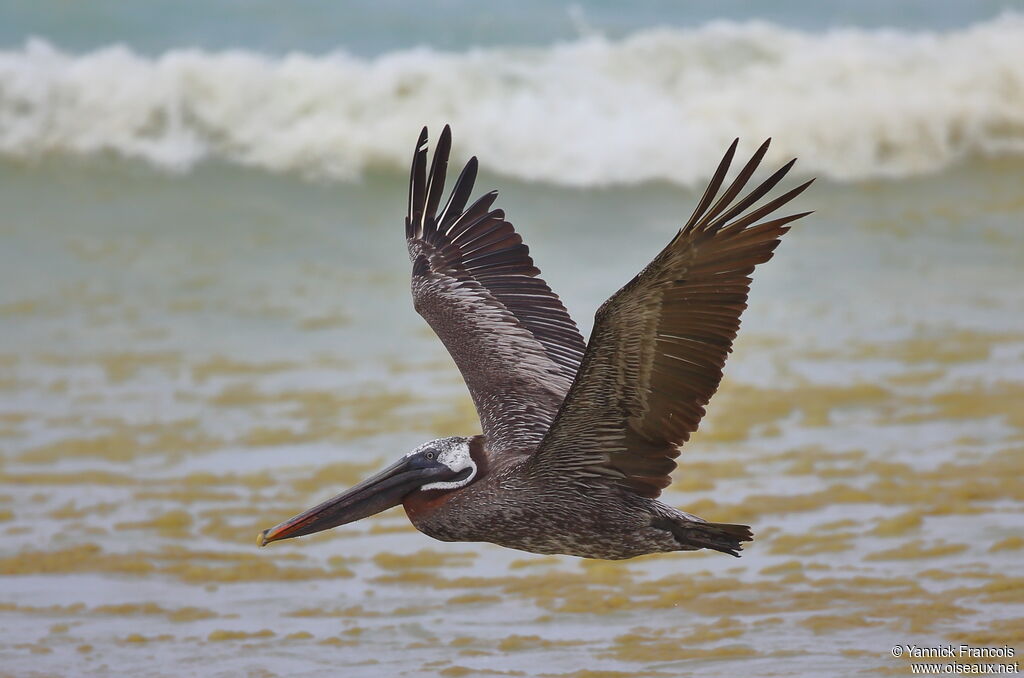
x=474 y=282
x=656 y=354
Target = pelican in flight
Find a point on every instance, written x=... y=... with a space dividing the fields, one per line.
x=579 y=439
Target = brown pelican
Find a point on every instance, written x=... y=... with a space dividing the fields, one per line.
x=578 y=439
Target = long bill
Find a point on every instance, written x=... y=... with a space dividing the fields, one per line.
x=373 y=495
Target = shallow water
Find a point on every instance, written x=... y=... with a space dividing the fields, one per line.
x=205 y=327
x=185 y=360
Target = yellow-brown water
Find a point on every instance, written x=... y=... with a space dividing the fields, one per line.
x=185 y=361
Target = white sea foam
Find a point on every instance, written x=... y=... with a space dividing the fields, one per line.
x=659 y=104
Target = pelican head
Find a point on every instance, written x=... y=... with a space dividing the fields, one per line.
x=443 y=464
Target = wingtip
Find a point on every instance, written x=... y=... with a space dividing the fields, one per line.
x=726 y=162
x=799 y=215
x=784 y=170
x=803 y=187
x=755 y=160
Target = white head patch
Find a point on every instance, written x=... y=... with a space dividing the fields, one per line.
x=454 y=453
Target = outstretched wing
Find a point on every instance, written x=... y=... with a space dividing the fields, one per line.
x=474 y=282
x=656 y=354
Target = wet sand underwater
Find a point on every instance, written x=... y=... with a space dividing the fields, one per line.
x=188 y=359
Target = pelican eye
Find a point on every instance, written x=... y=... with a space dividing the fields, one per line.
x=429 y=455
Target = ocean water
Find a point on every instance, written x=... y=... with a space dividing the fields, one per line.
x=205 y=327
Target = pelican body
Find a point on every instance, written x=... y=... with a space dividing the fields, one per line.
x=579 y=439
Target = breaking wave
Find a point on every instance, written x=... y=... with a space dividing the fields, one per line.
x=660 y=104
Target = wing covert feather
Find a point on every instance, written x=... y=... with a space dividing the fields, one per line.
x=659 y=344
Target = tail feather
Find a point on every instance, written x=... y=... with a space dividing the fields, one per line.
x=723 y=537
